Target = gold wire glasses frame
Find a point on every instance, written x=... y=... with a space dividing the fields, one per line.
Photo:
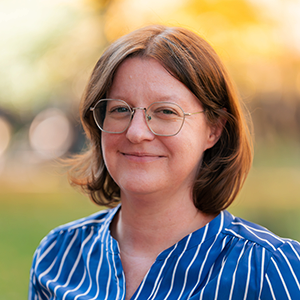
x=162 y=118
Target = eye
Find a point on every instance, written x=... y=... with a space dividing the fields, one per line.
x=118 y=109
x=166 y=112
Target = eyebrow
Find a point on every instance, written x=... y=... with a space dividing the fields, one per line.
x=156 y=98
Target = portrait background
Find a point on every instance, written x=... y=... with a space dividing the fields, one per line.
x=47 y=51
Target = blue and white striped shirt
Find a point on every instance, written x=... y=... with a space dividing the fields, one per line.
x=229 y=258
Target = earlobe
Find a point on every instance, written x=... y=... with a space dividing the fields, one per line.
x=216 y=132
x=213 y=138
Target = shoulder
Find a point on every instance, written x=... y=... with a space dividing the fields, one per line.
x=69 y=247
x=274 y=261
x=97 y=219
x=74 y=234
x=250 y=232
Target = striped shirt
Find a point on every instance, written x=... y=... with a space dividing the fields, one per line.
x=229 y=258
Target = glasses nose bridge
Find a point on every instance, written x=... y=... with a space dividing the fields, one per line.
x=134 y=109
x=147 y=117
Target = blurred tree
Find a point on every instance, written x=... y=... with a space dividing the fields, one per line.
x=49 y=50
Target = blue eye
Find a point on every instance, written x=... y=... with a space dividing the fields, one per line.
x=167 y=111
x=120 y=109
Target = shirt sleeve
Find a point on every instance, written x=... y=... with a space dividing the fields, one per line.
x=32 y=292
x=282 y=276
x=35 y=291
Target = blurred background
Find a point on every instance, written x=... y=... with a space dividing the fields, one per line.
x=47 y=51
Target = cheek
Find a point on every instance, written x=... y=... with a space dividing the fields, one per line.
x=188 y=149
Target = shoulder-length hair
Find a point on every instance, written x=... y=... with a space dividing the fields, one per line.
x=192 y=61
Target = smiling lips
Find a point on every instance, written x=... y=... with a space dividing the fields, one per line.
x=141 y=156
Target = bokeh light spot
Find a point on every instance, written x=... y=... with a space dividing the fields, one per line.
x=50 y=134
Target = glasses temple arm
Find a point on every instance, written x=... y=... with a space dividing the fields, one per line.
x=198 y=112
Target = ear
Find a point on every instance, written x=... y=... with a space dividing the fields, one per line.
x=216 y=131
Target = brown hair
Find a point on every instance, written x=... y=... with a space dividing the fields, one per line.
x=192 y=61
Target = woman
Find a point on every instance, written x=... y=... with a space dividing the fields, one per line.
x=169 y=150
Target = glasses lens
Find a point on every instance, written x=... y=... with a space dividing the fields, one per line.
x=165 y=118
x=112 y=116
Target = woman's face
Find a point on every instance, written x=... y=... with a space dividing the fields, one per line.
x=140 y=162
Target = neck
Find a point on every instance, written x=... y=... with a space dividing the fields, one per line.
x=146 y=226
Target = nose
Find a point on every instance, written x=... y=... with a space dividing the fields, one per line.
x=138 y=129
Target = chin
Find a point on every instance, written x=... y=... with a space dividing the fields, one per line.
x=140 y=186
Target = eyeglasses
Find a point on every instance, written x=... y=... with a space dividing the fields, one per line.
x=162 y=118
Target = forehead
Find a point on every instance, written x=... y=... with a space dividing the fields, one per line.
x=146 y=79
x=146 y=70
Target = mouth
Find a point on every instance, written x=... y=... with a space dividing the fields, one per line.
x=141 y=156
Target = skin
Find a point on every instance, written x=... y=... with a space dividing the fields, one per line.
x=155 y=174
